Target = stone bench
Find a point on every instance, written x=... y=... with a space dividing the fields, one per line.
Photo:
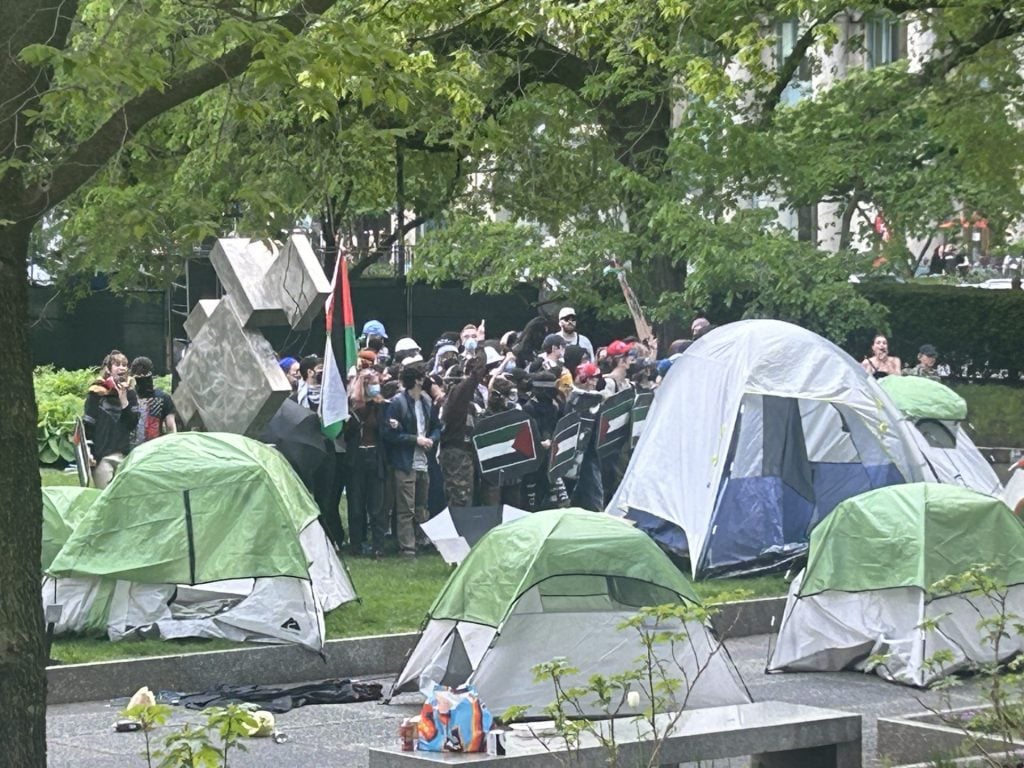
x=774 y=734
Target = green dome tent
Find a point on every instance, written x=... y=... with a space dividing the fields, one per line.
x=938 y=415
x=63 y=508
x=84 y=603
x=867 y=587
x=217 y=510
x=555 y=583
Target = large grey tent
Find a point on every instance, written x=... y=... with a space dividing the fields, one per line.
x=757 y=432
x=558 y=584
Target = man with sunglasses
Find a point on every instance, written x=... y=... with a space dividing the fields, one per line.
x=567 y=326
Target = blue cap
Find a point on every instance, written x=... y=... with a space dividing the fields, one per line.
x=286 y=363
x=664 y=365
x=374 y=327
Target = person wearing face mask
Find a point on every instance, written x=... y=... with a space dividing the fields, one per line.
x=470 y=338
x=366 y=519
x=500 y=398
x=410 y=430
x=311 y=373
x=458 y=417
x=544 y=408
x=156 y=408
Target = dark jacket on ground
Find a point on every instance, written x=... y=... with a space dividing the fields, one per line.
x=400 y=443
x=108 y=426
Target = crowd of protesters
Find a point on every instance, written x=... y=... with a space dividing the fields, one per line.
x=408 y=446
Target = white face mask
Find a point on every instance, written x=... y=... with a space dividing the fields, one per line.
x=373 y=390
x=470 y=345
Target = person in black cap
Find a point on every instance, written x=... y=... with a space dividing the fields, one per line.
x=927 y=356
x=554 y=350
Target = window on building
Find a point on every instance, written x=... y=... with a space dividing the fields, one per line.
x=885 y=40
x=807 y=224
x=787 y=33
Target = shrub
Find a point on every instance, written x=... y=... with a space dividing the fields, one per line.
x=60 y=396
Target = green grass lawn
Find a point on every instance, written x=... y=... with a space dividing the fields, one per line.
x=394 y=593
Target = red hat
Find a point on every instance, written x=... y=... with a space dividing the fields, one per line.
x=617 y=348
x=586 y=372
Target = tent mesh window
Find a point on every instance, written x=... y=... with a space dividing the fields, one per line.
x=585 y=592
x=938 y=434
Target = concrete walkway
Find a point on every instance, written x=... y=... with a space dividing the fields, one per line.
x=80 y=735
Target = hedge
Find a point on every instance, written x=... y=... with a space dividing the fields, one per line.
x=974 y=329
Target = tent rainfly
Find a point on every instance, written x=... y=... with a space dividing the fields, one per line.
x=209 y=535
x=868 y=586
x=558 y=584
x=757 y=432
x=938 y=415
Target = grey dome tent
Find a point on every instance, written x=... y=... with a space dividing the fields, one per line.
x=557 y=584
x=757 y=432
x=938 y=415
x=209 y=535
x=868 y=585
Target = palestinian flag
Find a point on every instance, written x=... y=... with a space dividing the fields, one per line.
x=613 y=423
x=339 y=352
x=505 y=446
x=564 y=444
x=641 y=407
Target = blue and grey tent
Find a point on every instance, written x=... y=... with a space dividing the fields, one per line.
x=759 y=430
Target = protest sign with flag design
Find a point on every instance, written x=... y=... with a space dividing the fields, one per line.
x=564 y=443
x=641 y=407
x=339 y=352
x=505 y=446
x=613 y=423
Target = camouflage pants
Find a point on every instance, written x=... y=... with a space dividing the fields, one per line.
x=459 y=471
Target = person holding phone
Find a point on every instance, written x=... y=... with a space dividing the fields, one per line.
x=111 y=415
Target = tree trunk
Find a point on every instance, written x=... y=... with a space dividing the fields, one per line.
x=22 y=654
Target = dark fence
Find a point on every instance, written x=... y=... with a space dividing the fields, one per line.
x=80 y=335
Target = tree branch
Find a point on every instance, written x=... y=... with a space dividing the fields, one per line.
x=790 y=66
x=93 y=153
x=384 y=246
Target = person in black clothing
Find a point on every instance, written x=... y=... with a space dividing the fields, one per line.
x=410 y=429
x=156 y=408
x=458 y=464
x=367 y=522
x=111 y=415
x=545 y=409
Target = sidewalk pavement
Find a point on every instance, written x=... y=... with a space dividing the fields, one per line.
x=80 y=735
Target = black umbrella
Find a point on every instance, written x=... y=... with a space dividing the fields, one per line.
x=295 y=432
